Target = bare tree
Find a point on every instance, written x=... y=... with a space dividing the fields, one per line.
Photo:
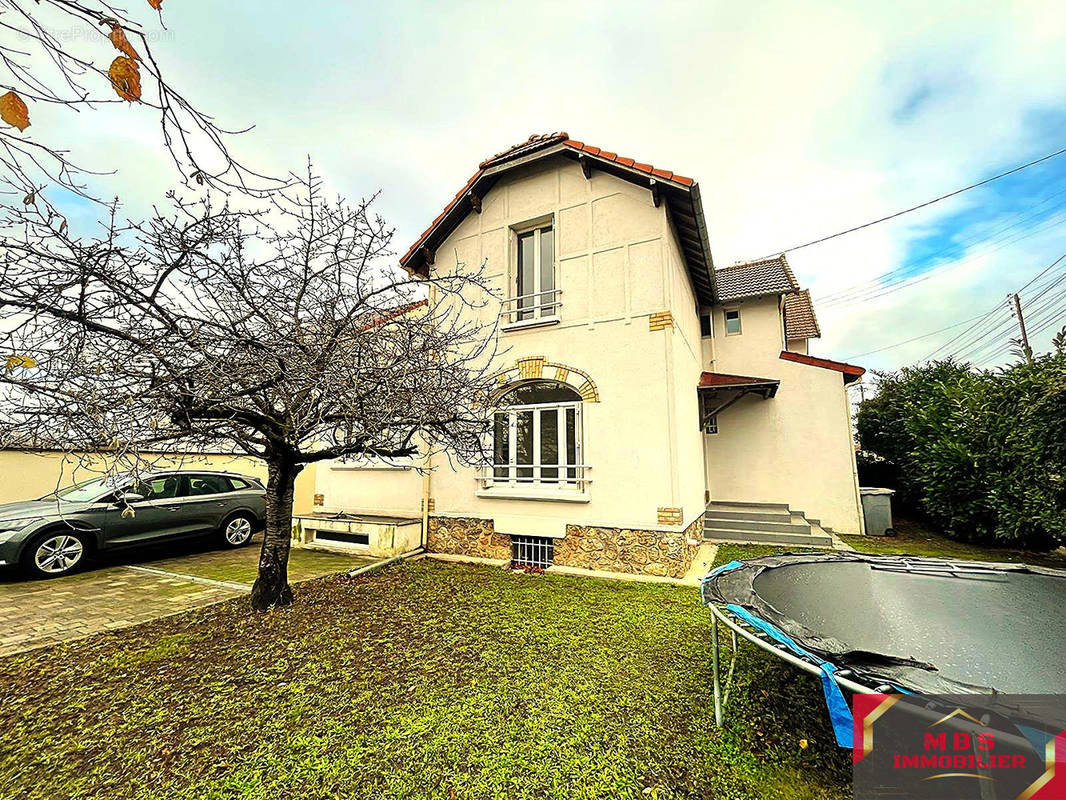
x=81 y=55
x=277 y=332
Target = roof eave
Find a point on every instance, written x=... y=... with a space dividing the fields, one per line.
x=414 y=262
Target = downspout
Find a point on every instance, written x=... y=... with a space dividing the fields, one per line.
x=426 y=486
x=854 y=457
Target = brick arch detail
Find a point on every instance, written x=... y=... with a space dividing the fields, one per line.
x=538 y=367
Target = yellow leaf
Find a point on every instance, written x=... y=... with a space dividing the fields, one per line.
x=803 y=744
x=14 y=112
x=121 y=43
x=13 y=362
x=126 y=78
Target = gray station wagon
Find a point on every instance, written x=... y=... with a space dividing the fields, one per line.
x=54 y=534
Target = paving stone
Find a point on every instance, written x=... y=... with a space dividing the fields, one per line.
x=36 y=613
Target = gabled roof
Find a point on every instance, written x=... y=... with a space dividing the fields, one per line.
x=680 y=193
x=852 y=372
x=800 y=321
x=755 y=279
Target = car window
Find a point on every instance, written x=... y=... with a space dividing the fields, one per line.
x=82 y=492
x=162 y=488
x=208 y=484
x=239 y=484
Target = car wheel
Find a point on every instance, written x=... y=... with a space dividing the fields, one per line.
x=237 y=531
x=54 y=554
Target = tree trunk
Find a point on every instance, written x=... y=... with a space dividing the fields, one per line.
x=271 y=587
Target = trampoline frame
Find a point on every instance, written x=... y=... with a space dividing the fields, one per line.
x=737 y=626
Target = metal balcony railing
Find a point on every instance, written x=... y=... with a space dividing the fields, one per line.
x=547 y=476
x=532 y=307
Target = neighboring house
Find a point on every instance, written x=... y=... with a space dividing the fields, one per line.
x=637 y=384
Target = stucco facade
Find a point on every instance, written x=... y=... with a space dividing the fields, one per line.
x=624 y=340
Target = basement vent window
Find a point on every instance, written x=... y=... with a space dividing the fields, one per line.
x=532 y=551
x=347 y=538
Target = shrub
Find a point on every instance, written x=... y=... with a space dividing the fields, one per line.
x=980 y=453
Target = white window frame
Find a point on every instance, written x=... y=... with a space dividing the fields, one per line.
x=544 y=308
x=571 y=482
x=725 y=322
x=710 y=425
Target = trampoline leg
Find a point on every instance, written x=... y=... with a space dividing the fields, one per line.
x=716 y=668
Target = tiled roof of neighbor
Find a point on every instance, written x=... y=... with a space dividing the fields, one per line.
x=755 y=279
x=680 y=192
x=852 y=372
x=800 y=321
x=375 y=319
x=722 y=379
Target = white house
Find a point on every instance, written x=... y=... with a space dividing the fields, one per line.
x=642 y=394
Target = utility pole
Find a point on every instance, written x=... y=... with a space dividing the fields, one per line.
x=1026 y=349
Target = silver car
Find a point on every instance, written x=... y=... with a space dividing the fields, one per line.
x=54 y=534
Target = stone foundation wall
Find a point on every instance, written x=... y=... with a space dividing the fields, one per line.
x=664 y=553
x=644 y=552
x=467 y=536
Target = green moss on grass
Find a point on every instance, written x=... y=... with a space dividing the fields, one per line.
x=421 y=680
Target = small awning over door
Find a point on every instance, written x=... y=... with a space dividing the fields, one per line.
x=718 y=391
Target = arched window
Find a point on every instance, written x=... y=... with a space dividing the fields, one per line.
x=536 y=437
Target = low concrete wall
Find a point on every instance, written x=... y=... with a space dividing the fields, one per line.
x=25 y=475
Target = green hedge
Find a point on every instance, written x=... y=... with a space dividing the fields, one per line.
x=981 y=453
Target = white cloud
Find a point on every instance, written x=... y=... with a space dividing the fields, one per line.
x=786 y=113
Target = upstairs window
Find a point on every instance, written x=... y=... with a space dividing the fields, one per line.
x=535 y=296
x=706 y=330
x=732 y=321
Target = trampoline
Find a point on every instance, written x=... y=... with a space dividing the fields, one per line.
x=869 y=623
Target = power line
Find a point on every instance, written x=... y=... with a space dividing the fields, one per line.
x=915 y=269
x=926 y=204
x=1046 y=313
x=875 y=292
x=915 y=339
x=971 y=345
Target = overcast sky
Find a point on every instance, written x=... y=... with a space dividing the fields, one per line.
x=797 y=120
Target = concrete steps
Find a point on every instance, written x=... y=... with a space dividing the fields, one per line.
x=762 y=523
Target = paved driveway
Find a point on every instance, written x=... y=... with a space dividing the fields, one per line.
x=136 y=587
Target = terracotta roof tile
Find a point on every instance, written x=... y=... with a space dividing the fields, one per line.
x=851 y=371
x=714 y=379
x=375 y=319
x=800 y=321
x=532 y=145
x=756 y=279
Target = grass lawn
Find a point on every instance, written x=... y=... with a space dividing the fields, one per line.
x=424 y=679
x=913 y=539
x=242 y=565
